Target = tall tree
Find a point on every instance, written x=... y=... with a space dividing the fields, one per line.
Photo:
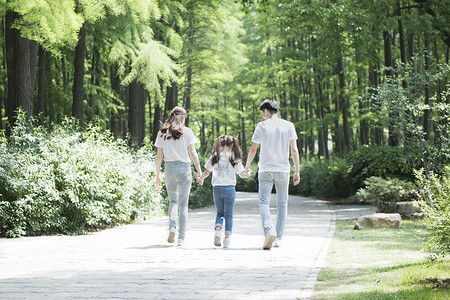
x=78 y=78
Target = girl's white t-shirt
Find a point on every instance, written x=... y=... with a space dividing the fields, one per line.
x=176 y=150
x=223 y=173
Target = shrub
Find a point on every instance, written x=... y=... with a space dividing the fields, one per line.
x=69 y=181
x=435 y=201
x=382 y=161
x=323 y=178
x=383 y=191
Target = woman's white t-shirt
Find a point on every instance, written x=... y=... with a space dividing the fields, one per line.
x=176 y=150
x=223 y=173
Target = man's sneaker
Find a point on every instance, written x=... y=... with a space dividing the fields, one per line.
x=180 y=242
x=270 y=238
x=278 y=242
x=218 y=238
x=171 y=237
x=226 y=242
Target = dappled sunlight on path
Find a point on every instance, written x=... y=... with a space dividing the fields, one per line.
x=136 y=262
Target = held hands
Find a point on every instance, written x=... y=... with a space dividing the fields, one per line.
x=245 y=174
x=199 y=180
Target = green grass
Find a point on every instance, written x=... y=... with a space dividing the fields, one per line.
x=382 y=264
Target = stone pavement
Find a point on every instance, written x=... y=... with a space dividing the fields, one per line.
x=136 y=262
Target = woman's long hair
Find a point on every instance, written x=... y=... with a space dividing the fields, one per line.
x=173 y=126
x=227 y=140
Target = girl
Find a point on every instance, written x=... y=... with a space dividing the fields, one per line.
x=174 y=141
x=224 y=162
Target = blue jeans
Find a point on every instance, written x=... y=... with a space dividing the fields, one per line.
x=178 y=184
x=224 y=199
x=266 y=182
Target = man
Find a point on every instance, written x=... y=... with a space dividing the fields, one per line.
x=275 y=136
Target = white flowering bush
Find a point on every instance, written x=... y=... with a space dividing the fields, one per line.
x=69 y=181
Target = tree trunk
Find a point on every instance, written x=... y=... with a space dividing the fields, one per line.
x=21 y=57
x=344 y=102
x=411 y=46
x=338 y=145
x=187 y=104
x=427 y=111
x=156 y=121
x=242 y=136
x=116 y=116
x=388 y=62
x=294 y=86
x=78 y=84
x=363 y=128
x=64 y=73
x=41 y=84
x=171 y=96
x=136 y=113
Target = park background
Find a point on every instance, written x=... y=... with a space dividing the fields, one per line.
x=85 y=85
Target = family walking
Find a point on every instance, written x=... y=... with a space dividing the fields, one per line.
x=275 y=137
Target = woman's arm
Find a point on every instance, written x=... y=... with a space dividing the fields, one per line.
x=195 y=160
x=205 y=174
x=159 y=158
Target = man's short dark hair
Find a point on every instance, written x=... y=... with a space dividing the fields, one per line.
x=270 y=105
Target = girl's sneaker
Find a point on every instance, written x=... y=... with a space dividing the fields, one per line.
x=226 y=242
x=218 y=238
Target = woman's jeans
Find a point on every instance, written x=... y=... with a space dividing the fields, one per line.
x=178 y=184
x=224 y=199
x=266 y=181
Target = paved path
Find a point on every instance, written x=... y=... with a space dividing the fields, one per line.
x=136 y=262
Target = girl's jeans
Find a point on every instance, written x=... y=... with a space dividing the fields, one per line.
x=178 y=184
x=224 y=198
x=266 y=181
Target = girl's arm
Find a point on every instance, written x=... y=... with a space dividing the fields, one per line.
x=159 y=158
x=200 y=179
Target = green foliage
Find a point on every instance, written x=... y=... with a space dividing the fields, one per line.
x=381 y=264
x=400 y=102
x=323 y=178
x=435 y=201
x=382 y=161
x=339 y=178
x=53 y=24
x=378 y=190
x=69 y=181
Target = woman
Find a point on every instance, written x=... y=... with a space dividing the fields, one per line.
x=173 y=143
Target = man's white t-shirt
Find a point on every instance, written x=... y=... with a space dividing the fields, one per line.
x=274 y=136
x=176 y=150
x=223 y=173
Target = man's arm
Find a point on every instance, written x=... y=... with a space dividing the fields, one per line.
x=294 y=153
x=251 y=156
